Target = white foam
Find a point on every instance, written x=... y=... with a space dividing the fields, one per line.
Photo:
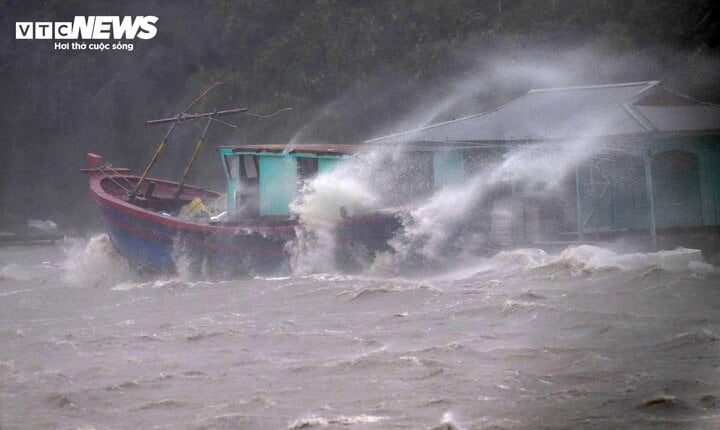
x=701 y=267
x=582 y=258
x=677 y=259
x=127 y=286
x=45 y=226
x=23 y=272
x=526 y=258
x=16 y=272
x=314 y=421
x=503 y=261
x=588 y=257
x=449 y=223
x=94 y=263
x=449 y=422
x=410 y=358
x=346 y=185
x=166 y=283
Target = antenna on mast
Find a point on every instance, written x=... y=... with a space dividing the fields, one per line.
x=180 y=117
x=183 y=117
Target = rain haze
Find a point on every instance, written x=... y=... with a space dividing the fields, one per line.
x=368 y=215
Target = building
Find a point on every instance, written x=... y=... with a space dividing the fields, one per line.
x=656 y=173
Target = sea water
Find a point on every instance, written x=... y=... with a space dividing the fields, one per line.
x=429 y=334
x=525 y=339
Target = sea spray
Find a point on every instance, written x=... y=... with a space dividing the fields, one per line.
x=344 y=190
x=471 y=219
x=576 y=260
x=589 y=258
x=463 y=220
x=94 y=262
x=190 y=265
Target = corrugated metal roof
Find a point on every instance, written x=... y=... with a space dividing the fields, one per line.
x=682 y=118
x=574 y=112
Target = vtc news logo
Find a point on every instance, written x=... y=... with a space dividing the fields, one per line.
x=90 y=27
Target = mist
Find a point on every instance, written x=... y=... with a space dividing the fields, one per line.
x=350 y=73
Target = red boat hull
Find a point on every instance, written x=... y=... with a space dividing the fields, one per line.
x=155 y=242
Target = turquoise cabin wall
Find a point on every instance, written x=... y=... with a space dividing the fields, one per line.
x=448 y=168
x=277 y=183
x=325 y=164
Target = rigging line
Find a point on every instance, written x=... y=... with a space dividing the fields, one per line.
x=254 y=115
x=110 y=167
x=100 y=169
x=201 y=96
x=266 y=116
x=223 y=122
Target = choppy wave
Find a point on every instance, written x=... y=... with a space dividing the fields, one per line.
x=582 y=259
x=315 y=421
x=176 y=283
x=94 y=263
x=587 y=257
x=448 y=422
x=587 y=334
x=26 y=272
x=367 y=292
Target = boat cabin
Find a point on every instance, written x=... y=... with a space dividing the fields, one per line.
x=262 y=180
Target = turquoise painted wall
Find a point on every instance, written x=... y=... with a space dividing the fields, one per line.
x=325 y=164
x=685 y=193
x=448 y=168
x=278 y=183
x=677 y=189
x=710 y=180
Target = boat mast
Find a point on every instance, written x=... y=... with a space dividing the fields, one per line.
x=197 y=150
x=180 y=117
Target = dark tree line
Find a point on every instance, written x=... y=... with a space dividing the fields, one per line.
x=349 y=70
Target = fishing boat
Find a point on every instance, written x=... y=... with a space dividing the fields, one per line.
x=245 y=230
x=158 y=224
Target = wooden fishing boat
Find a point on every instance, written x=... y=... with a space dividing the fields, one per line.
x=157 y=224
x=157 y=227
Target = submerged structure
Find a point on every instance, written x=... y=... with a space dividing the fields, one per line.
x=655 y=172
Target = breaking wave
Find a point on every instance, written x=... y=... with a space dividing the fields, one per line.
x=576 y=260
x=313 y=421
x=448 y=224
x=94 y=263
x=454 y=221
x=347 y=187
x=590 y=258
